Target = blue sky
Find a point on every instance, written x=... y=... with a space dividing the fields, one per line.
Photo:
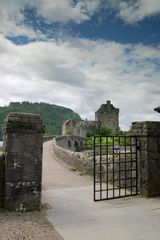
x=80 y=53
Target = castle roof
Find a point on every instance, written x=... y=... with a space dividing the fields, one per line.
x=107 y=108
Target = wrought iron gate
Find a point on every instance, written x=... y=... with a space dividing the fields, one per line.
x=115 y=167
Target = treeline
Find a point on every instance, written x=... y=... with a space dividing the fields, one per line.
x=104 y=131
x=52 y=115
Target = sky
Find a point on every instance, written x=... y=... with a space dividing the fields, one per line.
x=81 y=53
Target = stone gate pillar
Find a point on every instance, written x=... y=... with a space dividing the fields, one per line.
x=23 y=139
x=149 y=160
x=2 y=180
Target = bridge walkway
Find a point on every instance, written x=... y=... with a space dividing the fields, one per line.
x=76 y=216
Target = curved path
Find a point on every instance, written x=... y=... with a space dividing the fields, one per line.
x=56 y=174
x=76 y=217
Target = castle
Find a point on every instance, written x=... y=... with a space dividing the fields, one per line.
x=106 y=116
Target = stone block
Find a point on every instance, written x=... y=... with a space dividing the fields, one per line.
x=149 y=160
x=23 y=196
x=2 y=180
x=23 y=139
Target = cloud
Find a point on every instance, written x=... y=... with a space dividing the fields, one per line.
x=133 y=11
x=76 y=72
x=67 y=10
x=11 y=18
x=14 y=20
x=82 y=74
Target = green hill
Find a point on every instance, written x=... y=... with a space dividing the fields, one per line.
x=52 y=115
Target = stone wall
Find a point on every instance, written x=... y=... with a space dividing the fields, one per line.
x=23 y=145
x=70 y=142
x=82 y=161
x=86 y=128
x=80 y=128
x=68 y=127
x=2 y=180
x=149 y=160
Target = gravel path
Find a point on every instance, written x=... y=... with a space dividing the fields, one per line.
x=26 y=226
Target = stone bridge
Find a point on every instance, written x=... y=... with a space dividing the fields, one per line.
x=148 y=134
x=21 y=160
x=69 y=149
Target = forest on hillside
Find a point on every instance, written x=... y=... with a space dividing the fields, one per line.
x=52 y=115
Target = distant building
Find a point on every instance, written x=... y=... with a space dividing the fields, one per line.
x=106 y=116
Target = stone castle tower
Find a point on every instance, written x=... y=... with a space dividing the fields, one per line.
x=108 y=115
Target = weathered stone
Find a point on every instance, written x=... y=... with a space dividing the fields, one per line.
x=2 y=179
x=23 y=139
x=106 y=116
x=82 y=161
x=149 y=161
x=71 y=142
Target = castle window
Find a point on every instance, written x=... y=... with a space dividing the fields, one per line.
x=76 y=145
x=69 y=144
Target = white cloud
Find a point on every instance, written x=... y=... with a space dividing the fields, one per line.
x=79 y=73
x=63 y=11
x=66 y=10
x=133 y=11
x=82 y=74
x=11 y=18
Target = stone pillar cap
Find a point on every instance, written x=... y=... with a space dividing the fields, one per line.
x=23 y=122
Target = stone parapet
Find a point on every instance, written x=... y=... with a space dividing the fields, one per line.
x=82 y=161
x=71 y=142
